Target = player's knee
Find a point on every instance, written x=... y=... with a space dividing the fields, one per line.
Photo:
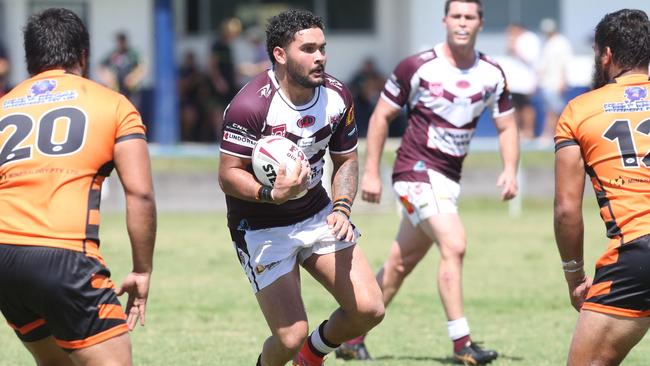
x=369 y=313
x=453 y=251
x=292 y=337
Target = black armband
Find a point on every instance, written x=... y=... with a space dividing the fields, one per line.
x=264 y=194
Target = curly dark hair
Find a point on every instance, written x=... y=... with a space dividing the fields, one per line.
x=55 y=38
x=281 y=28
x=627 y=33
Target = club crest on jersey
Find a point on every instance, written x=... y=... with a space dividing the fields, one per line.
x=306 y=121
x=280 y=130
x=42 y=87
x=634 y=93
x=463 y=84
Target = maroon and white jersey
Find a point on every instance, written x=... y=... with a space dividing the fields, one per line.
x=444 y=104
x=260 y=109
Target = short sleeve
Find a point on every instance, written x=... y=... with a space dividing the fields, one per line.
x=242 y=127
x=398 y=86
x=129 y=121
x=503 y=102
x=565 y=134
x=345 y=137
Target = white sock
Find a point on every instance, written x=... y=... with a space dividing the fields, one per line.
x=321 y=345
x=458 y=328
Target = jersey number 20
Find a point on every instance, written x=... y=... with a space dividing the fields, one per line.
x=23 y=125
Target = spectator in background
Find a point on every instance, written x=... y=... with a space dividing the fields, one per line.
x=5 y=66
x=256 y=59
x=554 y=61
x=222 y=72
x=194 y=95
x=365 y=86
x=123 y=70
x=524 y=48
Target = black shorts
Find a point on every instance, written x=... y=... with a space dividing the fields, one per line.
x=520 y=100
x=622 y=281
x=50 y=291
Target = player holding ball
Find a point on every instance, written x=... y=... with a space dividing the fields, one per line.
x=274 y=230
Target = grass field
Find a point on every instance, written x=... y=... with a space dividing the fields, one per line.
x=202 y=312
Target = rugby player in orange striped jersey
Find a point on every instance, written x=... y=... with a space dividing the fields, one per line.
x=60 y=137
x=605 y=134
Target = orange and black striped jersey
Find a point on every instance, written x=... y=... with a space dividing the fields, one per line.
x=57 y=134
x=612 y=127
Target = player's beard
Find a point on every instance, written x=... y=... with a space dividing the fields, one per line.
x=601 y=76
x=301 y=76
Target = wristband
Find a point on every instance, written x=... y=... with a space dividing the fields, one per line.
x=573 y=266
x=343 y=211
x=343 y=205
x=264 y=194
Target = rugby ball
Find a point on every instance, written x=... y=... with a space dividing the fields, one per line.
x=272 y=151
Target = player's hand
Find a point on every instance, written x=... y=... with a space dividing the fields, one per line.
x=508 y=183
x=136 y=285
x=578 y=290
x=289 y=186
x=371 y=187
x=341 y=226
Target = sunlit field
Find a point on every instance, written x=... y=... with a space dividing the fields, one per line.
x=202 y=312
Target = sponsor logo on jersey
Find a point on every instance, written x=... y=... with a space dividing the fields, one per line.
x=419 y=166
x=488 y=92
x=436 y=89
x=335 y=120
x=41 y=92
x=42 y=87
x=306 y=121
x=350 y=118
x=238 y=139
x=634 y=93
x=306 y=142
x=264 y=91
x=335 y=83
x=635 y=101
x=280 y=130
x=620 y=181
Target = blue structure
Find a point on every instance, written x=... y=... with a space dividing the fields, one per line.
x=165 y=102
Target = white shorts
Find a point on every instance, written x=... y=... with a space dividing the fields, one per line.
x=422 y=200
x=271 y=253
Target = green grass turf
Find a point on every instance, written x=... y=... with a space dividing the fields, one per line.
x=202 y=312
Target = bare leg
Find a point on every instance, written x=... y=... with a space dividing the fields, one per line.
x=115 y=351
x=410 y=246
x=450 y=235
x=347 y=275
x=285 y=314
x=47 y=353
x=604 y=340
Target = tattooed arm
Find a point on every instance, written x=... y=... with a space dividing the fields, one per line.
x=345 y=179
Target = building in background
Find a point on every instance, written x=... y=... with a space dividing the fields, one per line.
x=387 y=30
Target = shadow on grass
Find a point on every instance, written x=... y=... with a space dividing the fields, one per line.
x=440 y=360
